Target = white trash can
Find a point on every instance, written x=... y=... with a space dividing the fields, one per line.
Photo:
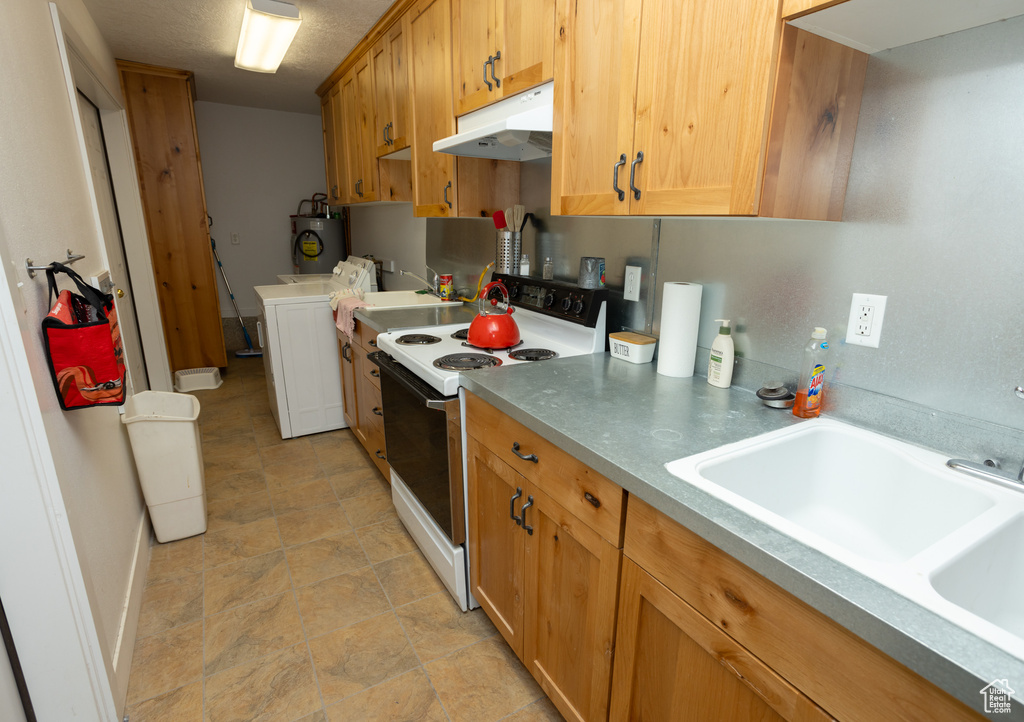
x=164 y=431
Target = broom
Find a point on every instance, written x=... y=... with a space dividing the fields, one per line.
x=245 y=352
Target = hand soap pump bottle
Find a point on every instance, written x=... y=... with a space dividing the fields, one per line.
x=722 y=354
x=810 y=389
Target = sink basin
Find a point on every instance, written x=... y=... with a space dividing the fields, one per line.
x=404 y=299
x=987 y=580
x=848 y=492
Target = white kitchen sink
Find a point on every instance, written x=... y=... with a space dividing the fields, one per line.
x=404 y=299
x=888 y=509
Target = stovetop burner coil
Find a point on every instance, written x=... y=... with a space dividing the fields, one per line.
x=532 y=354
x=417 y=339
x=462 y=334
x=492 y=350
x=466 y=361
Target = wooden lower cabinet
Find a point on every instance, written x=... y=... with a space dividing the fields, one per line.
x=549 y=580
x=347 y=357
x=360 y=385
x=671 y=663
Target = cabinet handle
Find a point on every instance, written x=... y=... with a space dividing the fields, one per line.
x=375 y=373
x=592 y=499
x=490 y=60
x=527 y=505
x=497 y=82
x=377 y=410
x=512 y=507
x=380 y=455
x=384 y=134
x=346 y=356
x=334 y=191
x=389 y=134
x=259 y=332
x=446 y=194
x=373 y=342
x=615 y=177
x=529 y=457
x=632 y=174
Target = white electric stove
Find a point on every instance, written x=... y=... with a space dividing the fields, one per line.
x=421 y=374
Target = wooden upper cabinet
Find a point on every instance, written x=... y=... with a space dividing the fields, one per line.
x=358 y=122
x=161 y=117
x=679 y=123
x=502 y=47
x=390 y=59
x=330 y=104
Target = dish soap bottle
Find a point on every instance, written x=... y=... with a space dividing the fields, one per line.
x=812 y=376
x=722 y=354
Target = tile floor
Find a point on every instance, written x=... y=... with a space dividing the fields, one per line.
x=306 y=599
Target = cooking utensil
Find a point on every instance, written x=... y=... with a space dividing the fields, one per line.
x=494 y=329
x=508 y=218
x=499 y=220
x=518 y=217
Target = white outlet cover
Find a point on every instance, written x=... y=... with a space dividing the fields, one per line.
x=866 y=299
x=631 y=284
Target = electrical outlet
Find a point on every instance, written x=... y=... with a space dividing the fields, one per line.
x=234 y=239
x=631 y=288
x=867 y=312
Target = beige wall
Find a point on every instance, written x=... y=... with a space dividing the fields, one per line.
x=46 y=208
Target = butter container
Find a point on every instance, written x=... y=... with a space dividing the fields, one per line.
x=633 y=347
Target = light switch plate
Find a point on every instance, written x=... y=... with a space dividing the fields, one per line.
x=631 y=286
x=867 y=311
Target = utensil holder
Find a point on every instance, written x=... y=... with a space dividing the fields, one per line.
x=508 y=248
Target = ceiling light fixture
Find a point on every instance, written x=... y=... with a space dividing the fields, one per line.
x=268 y=28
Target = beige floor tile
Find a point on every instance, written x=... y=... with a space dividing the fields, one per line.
x=170 y=603
x=257 y=404
x=318 y=716
x=408 y=698
x=325 y=558
x=184 y=704
x=227 y=513
x=281 y=686
x=232 y=485
x=241 y=542
x=354 y=658
x=265 y=430
x=330 y=438
x=303 y=496
x=482 y=683
x=283 y=476
x=341 y=601
x=358 y=482
x=342 y=454
x=226 y=424
x=543 y=710
x=245 y=633
x=436 y=626
x=287 y=452
x=299 y=527
x=239 y=447
x=217 y=404
x=407 y=578
x=369 y=509
x=233 y=585
x=175 y=559
x=165 y=661
x=386 y=540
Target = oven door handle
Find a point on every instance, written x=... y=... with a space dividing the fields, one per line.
x=396 y=372
x=436 y=404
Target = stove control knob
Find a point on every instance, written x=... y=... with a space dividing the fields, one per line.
x=549 y=300
x=513 y=290
x=577 y=307
x=566 y=303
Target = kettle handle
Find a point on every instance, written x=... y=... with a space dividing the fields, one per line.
x=504 y=294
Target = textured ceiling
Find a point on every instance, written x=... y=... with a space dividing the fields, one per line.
x=201 y=35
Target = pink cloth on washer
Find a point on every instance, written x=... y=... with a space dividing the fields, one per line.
x=343 y=318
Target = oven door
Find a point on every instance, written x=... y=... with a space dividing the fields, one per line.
x=423 y=432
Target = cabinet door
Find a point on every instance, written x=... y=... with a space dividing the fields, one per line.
x=383 y=94
x=359 y=428
x=366 y=124
x=398 y=43
x=348 y=383
x=349 y=114
x=572 y=579
x=496 y=543
x=526 y=29
x=475 y=37
x=331 y=149
x=702 y=105
x=596 y=51
x=434 y=191
x=672 y=663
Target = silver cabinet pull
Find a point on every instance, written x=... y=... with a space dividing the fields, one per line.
x=615 y=177
x=378 y=411
x=527 y=505
x=384 y=133
x=346 y=356
x=632 y=174
x=373 y=342
x=375 y=373
x=334 y=191
x=497 y=82
x=379 y=455
x=490 y=61
x=446 y=194
x=512 y=507
x=526 y=457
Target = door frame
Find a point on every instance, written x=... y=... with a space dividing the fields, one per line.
x=82 y=73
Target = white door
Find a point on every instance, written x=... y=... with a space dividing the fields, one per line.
x=110 y=226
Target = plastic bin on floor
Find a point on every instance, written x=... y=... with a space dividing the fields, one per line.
x=164 y=432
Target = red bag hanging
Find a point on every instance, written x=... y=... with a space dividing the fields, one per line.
x=83 y=344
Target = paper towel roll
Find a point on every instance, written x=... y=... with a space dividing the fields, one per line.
x=680 y=321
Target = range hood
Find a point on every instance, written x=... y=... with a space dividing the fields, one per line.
x=516 y=128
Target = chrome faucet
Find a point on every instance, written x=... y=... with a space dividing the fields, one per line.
x=990 y=470
x=432 y=287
